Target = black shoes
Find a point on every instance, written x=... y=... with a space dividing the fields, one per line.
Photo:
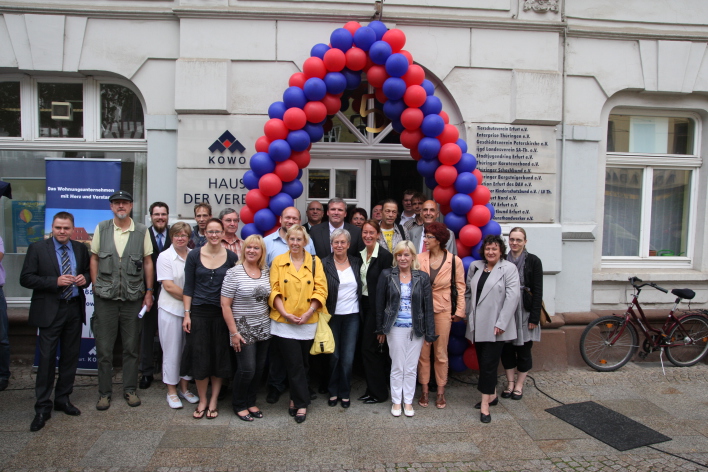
x=301 y=418
x=485 y=418
x=313 y=394
x=292 y=411
x=364 y=397
x=67 y=408
x=492 y=403
x=145 y=381
x=331 y=402
x=40 y=419
x=3 y=384
x=346 y=403
x=273 y=395
x=517 y=396
x=371 y=400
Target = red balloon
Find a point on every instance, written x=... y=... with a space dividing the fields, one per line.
x=286 y=170
x=443 y=194
x=356 y=105
x=274 y=228
x=376 y=75
x=415 y=154
x=297 y=80
x=314 y=111
x=415 y=96
x=369 y=63
x=412 y=118
x=408 y=56
x=294 y=118
x=445 y=209
x=331 y=103
x=314 y=67
x=275 y=129
x=445 y=175
x=449 y=134
x=352 y=26
x=462 y=250
x=334 y=60
x=445 y=117
x=470 y=358
x=302 y=158
x=410 y=138
x=356 y=58
x=477 y=173
x=257 y=200
x=270 y=185
x=414 y=76
x=449 y=154
x=327 y=127
x=479 y=215
x=246 y=214
x=396 y=38
x=380 y=96
x=262 y=144
x=480 y=196
x=470 y=235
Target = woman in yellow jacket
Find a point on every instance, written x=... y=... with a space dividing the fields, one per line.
x=298 y=293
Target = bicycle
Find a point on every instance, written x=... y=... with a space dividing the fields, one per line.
x=610 y=342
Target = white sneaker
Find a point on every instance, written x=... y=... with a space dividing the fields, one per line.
x=189 y=396
x=408 y=413
x=395 y=411
x=173 y=401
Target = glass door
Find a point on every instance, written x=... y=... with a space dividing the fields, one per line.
x=327 y=178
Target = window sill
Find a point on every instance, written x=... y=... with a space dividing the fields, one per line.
x=649 y=275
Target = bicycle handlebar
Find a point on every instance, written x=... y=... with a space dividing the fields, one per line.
x=635 y=280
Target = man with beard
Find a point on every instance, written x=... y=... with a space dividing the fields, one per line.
x=229 y=217
x=430 y=213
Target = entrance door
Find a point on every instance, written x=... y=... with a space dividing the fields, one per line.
x=327 y=178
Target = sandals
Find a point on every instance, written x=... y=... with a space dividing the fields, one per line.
x=517 y=395
x=509 y=390
x=423 y=401
x=212 y=414
x=256 y=414
x=198 y=414
x=440 y=401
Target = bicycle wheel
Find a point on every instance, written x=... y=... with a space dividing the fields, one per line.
x=692 y=341
x=603 y=348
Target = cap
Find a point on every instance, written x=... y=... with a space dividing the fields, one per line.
x=121 y=195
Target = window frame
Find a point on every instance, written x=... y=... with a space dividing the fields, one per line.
x=649 y=162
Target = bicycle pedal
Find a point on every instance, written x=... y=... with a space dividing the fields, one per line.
x=643 y=355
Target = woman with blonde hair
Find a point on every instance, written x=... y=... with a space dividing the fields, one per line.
x=244 y=304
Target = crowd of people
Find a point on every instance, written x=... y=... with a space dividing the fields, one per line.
x=225 y=308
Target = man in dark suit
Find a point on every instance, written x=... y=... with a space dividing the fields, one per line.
x=57 y=269
x=336 y=211
x=160 y=237
x=314 y=213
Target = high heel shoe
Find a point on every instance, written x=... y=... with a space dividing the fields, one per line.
x=494 y=402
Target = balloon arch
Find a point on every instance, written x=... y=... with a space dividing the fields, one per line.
x=408 y=101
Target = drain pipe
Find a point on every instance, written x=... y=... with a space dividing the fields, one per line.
x=563 y=92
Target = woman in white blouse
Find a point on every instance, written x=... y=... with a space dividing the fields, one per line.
x=170 y=309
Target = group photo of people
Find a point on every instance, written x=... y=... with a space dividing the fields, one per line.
x=238 y=318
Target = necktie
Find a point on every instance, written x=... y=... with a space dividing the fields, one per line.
x=159 y=241
x=66 y=270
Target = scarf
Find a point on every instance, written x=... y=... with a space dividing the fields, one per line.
x=520 y=263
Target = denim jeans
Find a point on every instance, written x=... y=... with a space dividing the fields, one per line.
x=250 y=362
x=345 y=329
x=4 y=338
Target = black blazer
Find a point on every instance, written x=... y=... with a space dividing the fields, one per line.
x=155 y=253
x=320 y=239
x=332 y=276
x=376 y=266
x=40 y=272
x=533 y=278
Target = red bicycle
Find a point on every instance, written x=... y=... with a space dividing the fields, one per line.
x=610 y=342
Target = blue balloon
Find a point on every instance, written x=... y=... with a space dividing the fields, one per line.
x=430 y=182
x=491 y=209
x=465 y=183
x=262 y=164
x=379 y=27
x=364 y=37
x=293 y=188
x=397 y=126
x=461 y=204
x=457 y=364
x=299 y=174
x=477 y=251
x=319 y=50
x=432 y=125
x=341 y=39
x=298 y=140
x=353 y=78
x=315 y=89
x=314 y=131
x=456 y=346
x=429 y=148
x=250 y=179
x=277 y=110
x=467 y=163
x=379 y=52
x=250 y=229
x=455 y=222
x=394 y=88
x=393 y=109
x=294 y=97
x=264 y=219
x=462 y=144
x=278 y=203
x=432 y=105
x=466 y=261
x=491 y=228
x=428 y=86
x=335 y=82
x=457 y=329
x=396 y=65
x=279 y=150
x=427 y=168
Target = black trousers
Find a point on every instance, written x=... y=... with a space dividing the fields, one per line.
x=517 y=357
x=377 y=365
x=296 y=356
x=250 y=362
x=65 y=331
x=147 y=341
x=488 y=355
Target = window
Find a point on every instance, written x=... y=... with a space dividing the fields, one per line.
x=649 y=190
x=121 y=113
x=61 y=110
x=10 y=124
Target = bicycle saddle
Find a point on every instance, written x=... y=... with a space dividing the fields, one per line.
x=684 y=293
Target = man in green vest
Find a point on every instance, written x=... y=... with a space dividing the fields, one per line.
x=122 y=277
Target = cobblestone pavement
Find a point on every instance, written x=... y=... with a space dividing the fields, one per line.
x=521 y=437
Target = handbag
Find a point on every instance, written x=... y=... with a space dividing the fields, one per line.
x=453 y=288
x=324 y=339
x=527 y=297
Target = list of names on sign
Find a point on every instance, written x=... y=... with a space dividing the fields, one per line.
x=519 y=168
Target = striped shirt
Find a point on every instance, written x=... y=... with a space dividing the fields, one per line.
x=250 y=301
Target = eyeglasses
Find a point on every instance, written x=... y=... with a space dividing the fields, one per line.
x=180 y=236
x=214 y=233
x=430 y=236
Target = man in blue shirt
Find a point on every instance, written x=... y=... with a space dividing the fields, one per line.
x=276 y=244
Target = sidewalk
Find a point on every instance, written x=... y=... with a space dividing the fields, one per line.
x=522 y=436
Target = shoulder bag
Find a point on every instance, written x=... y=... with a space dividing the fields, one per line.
x=324 y=339
x=545 y=317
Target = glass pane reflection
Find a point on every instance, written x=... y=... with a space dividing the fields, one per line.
x=345 y=183
x=10 y=125
x=318 y=183
x=68 y=100
x=121 y=113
